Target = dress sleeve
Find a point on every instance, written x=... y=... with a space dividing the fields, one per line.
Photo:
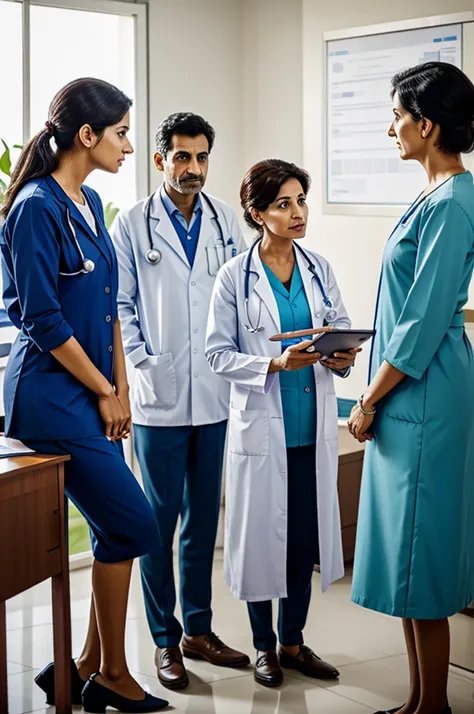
x=445 y=240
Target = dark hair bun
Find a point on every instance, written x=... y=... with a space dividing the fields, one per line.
x=442 y=93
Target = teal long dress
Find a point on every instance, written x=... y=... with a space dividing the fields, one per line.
x=415 y=540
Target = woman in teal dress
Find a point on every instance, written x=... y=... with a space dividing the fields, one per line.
x=415 y=550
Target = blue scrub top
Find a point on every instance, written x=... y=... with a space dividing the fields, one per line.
x=298 y=388
x=48 y=305
x=187 y=234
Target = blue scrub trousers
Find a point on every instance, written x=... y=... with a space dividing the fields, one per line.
x=302 y=554
x=182 y=473
x=105 y=491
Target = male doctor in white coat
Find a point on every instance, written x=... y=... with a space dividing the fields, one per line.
x=170 y=248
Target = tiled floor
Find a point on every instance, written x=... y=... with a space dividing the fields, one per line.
x=368 y=649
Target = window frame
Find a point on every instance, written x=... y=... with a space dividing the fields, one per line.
x=112 y=7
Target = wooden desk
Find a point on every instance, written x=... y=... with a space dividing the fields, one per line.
x=33 y=548
x=351 y=458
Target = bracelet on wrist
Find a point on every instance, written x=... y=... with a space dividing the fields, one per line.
x=365 y=412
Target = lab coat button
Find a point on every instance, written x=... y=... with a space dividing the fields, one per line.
x=107 y=290
x=108 y=318
x=318 y=314
x=307 y=389
x=193 y=283
x=195 y=352
x=196 y=374
x=111 y=348
x=195 y=330
x=194 y=304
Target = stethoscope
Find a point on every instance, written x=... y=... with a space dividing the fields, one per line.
x=153 y=255
x=88 y=265
x=331 y=314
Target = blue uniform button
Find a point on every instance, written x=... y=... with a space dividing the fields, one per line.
x=108 y=318
x=107 y=289
x=111 y=349
x=307 y=389
x=295 y=304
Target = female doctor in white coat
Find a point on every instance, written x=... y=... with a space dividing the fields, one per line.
x=282 y=510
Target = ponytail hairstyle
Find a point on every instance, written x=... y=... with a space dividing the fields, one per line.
x=83 y=101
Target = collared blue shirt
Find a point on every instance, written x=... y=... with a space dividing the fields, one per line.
x=187 y=234
x=298 y=388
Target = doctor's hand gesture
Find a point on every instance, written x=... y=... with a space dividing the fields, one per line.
x=292 y=358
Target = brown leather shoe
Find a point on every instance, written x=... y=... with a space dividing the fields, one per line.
x=171 y=671
x=267 y=669
x=308 y=663
x=213 y=650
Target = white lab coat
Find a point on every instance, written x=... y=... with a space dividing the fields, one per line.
x=256 y=471
x=163 y=312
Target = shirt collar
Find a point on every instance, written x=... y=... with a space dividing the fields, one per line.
x=172 y=209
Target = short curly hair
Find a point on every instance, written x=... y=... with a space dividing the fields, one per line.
x=185 y=123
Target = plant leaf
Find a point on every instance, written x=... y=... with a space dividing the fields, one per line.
x=5 y=160
x=110 y=211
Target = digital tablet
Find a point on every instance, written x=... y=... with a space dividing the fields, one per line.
x=338 y=341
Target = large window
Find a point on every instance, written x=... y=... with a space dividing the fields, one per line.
x=47 y=43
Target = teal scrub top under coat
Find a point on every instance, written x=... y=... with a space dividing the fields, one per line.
x=415 y=546
x=297 y=388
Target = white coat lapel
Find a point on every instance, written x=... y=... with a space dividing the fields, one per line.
x=263 y=289
x=165 y=229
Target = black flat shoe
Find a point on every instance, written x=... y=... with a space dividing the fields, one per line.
x=96 y=698
x=45 y=681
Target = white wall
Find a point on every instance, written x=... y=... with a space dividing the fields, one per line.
x=273 y=80
x=260 y=83
x=353 y=244
x=195 y=51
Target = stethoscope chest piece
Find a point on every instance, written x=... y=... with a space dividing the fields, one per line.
x=88 y=265
x=153 y=256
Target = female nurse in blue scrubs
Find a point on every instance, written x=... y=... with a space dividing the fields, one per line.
x=282 y=511
x=415 y=548
x=66 y=388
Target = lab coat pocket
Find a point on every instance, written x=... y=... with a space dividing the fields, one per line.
x=156 y=382
x=330 y=417
x=249 y=432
